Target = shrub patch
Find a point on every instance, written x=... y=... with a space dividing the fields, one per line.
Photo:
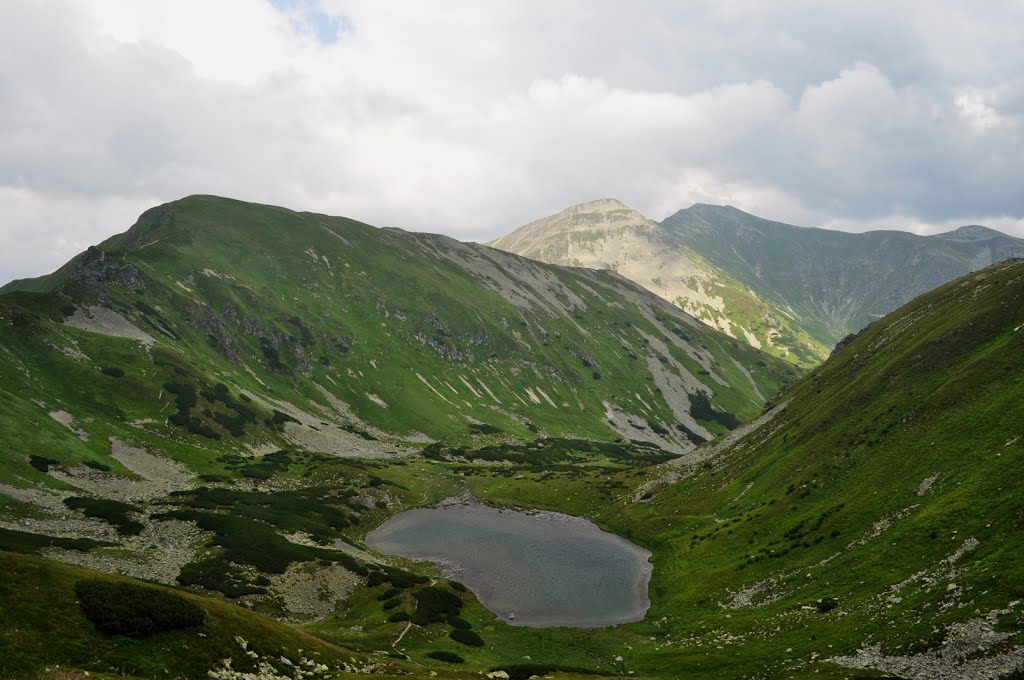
x=129 y=609
x=114 y=513
x=466 y=637
x=448 y=657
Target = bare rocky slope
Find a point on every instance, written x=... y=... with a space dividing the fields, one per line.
x=606 y=234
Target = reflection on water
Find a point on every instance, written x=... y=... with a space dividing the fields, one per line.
x=546 y=569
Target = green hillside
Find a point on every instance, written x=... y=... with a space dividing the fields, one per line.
x=358 y=337
x=44 y=628
x=175 y=399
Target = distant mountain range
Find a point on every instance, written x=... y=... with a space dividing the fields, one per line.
x=791 y=291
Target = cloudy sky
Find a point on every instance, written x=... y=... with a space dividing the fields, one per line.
x=471 y=118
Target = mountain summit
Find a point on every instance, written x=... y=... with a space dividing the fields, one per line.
x=578 y=236
x=606 y=234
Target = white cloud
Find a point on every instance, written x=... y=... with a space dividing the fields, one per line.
x=696 y=185
x=976 y=108
x=471 y=118
x=234 y=41
x=53 y=230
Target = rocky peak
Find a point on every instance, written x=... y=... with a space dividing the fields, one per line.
x=598 y=205
x=586 y=221
x=605 y=211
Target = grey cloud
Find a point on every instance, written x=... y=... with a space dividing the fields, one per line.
x=473 y=118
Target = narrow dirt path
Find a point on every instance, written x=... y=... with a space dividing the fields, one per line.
x=407 y=627
x=394 y=644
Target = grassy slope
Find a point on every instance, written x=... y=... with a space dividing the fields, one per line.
x=32 y=637
x=237 y=285
x=778 y=332
x=41 y=625
x=933 y=390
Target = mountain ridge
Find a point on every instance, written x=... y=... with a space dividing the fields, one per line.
x=413 y=337
x=790 y=290
x=837 y=281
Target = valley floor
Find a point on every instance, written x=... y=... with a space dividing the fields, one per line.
x=707 y=619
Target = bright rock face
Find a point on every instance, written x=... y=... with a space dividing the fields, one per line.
x=606 y=234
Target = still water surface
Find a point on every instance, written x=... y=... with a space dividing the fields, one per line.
x=546 y=569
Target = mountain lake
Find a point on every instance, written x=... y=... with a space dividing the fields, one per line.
x=531 y=568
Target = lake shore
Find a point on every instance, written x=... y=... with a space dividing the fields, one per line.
x=547 y=568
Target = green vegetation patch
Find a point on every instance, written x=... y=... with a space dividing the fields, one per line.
x=247 y=541
x=320 y=512
x=218 y=574
x=42 y=463
x=554 y=450
x=702 y=409
x=466 y=637
x=458 y=622
x=694 y=438
x=26 y=542
x=388 y=594
x=484 y=428
x=112 y=512
x=399 y=578
x=118 y=608
x=447 y=657
x=435 y=605
x=223 y=408
x=185 y=395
